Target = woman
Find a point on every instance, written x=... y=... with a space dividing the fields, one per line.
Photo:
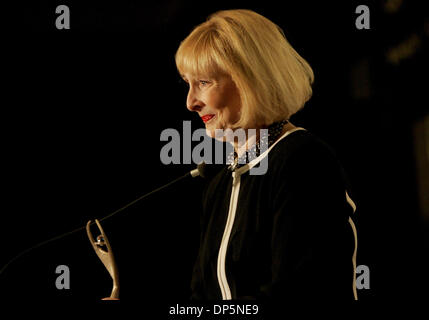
x=286 y=233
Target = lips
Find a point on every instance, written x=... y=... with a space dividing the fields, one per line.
x=207 y=117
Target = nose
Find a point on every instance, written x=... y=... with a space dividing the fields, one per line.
x=192 y=102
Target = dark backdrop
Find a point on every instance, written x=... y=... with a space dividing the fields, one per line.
x=83 y=110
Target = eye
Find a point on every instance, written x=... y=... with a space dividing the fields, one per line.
x=204 y=82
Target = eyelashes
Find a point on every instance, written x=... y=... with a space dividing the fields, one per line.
x=202 y=83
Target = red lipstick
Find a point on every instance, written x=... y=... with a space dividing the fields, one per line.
x=207 y=117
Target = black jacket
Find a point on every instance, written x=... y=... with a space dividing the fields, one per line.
x=291 y=235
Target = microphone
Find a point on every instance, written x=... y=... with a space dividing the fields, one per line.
x=196 y=172
x=202 y=171
x=205 y=171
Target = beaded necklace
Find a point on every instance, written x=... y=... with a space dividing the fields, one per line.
x=274 y=131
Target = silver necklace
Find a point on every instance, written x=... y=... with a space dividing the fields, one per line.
x=274 y=131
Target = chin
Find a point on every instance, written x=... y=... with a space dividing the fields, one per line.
x=210 y=131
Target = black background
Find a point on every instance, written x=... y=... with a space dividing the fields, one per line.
x=83 y=110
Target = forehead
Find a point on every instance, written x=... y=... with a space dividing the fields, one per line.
x=191 y=76
x=212 y=75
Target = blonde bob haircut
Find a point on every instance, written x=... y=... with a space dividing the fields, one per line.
x=273 y=80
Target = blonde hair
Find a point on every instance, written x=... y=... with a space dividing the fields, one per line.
x=273 y=80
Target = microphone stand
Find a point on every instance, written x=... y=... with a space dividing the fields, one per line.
x=102 y=246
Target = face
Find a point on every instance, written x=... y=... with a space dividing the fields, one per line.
x=215 y=99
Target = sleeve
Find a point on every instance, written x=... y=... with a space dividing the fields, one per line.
x=312 y=242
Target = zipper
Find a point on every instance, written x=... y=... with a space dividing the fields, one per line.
x=221 y=272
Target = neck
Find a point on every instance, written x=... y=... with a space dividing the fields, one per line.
x=248 y=147
x=252 y=137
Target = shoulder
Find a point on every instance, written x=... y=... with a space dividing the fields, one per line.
x=302 y=158
x=302 y=145
x=305 y=166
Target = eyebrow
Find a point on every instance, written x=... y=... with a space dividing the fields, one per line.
x=197 y=76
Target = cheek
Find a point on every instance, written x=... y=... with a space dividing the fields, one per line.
x=231 y=113
x=216 y=102
x=218 y=99
x=226 y=103
x=233 y=103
